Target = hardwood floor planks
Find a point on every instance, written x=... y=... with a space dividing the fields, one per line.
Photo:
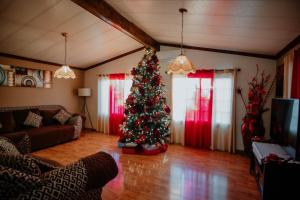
x=180 y=173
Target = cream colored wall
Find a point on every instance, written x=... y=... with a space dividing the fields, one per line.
x=63 y=92
x=202 y=60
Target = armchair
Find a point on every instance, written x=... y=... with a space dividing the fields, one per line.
x=38 y=178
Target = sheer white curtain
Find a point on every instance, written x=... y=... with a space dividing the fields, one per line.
x=103 y=105
x=223 y=120
x=179 y=84
x=127 y=86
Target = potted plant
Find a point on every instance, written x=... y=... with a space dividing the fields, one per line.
x=259 y=91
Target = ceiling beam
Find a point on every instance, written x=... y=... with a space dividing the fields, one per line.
x=240 y=53
x=114 y=58
x=288 y=47
x=108 y=14
x=34 y=60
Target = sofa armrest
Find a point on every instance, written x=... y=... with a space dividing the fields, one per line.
x=67 y=182
x=101 y=168
x=76 y=121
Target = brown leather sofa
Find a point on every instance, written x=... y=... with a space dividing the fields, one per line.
x=50 y=133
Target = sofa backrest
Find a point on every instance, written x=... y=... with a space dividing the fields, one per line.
x=40 y=107
x=12 y=118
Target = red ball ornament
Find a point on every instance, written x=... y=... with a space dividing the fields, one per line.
x=150 y=69
x=156 y=80
x=150 y=102
x=133 y=72
x=130 y=99
x=138 y=122
x=156 y=133
x=167 y=109
x=146 y=129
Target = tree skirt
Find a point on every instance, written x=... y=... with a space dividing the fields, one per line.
x=144 y=151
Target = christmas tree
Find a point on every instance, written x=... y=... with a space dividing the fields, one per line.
x=146 y=122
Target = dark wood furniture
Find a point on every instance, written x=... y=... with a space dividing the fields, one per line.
x=276 y=179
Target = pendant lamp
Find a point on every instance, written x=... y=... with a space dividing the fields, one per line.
x=181 y=64
x=65 y=71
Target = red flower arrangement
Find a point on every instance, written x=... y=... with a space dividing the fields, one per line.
x=258 y=93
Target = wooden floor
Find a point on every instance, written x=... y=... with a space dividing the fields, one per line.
x=180 y=173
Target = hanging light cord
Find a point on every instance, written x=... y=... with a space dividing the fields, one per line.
x=181 y=33
x=65 y=49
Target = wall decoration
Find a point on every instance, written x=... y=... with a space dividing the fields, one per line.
x=24 y=77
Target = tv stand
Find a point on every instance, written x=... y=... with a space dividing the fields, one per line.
x=275 y=178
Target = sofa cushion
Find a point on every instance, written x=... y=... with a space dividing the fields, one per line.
x=20 y=116
x=6 y=146
x=62 y=116
x=33 y=120
x=48 y=117
x=46 y=136
x=7 y=122
x=20 y=139
x=14 y=182
x=20 y=162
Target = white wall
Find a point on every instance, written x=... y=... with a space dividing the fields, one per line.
x=202 y=60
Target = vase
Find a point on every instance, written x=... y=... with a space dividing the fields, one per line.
x=246 y=138
x=252 y=127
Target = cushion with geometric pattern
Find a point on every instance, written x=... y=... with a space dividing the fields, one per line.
x=14 y=182
x=20 y=162
x=62 y=116
x=33 y=120
x=6 y=146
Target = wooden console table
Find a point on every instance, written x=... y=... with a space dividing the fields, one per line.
x=276 y=179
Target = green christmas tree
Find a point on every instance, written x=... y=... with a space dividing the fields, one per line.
x=147 y=116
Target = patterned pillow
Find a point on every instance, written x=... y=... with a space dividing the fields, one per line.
x=33 y=120
x=62 y=116
x=20 y=162
x=6 y=146
x=14 y=182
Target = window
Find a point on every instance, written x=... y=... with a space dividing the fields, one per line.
x=223 y=99
x=185 y=91
x=113 y=92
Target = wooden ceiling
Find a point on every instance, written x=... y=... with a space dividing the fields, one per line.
x=31 y=28
x=255 y=26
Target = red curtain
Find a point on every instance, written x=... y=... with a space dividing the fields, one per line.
x=295 y=93
x=116 y=102
x=198 y=120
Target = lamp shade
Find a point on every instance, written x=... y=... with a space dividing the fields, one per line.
x=84 y=92
x=181 y=65
x=64 y=72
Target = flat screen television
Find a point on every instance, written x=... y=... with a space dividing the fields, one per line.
x=285 y=115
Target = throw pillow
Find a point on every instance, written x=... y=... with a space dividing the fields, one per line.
x=48 y=117
x=6 y=146
x=14 y=182
x=20 y=162
x=33 y=120
x=20 y=117
x=62 y=116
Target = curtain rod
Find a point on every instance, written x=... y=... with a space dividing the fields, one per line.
x=218 y=70
x=126 y=74
x=224 y=70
